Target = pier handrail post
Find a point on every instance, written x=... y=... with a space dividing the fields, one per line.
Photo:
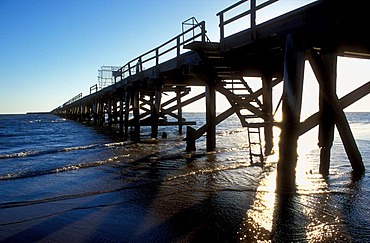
x=157 y=56
x=178 y=45
x=253 y=19
x=252 y=11
x=222 y=26
x=139 y=68
x=203 y=27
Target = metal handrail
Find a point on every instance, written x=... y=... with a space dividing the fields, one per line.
x=252 y=12
x=94 y=88
x=191 y=22
x=136 y=65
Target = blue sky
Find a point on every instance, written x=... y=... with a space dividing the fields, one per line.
x=51 y=50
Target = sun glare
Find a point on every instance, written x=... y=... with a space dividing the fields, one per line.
x=259 y=218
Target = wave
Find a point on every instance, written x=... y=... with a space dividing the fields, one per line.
x=27 y=174
x=13 y=204
x=229 y=132
x=32 y=153
x=210 y=170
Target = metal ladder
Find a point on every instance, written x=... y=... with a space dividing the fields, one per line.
x=255 y=144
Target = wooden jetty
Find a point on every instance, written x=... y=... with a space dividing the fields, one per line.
x=275 y=51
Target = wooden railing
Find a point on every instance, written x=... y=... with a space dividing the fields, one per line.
x=77 y=97
x=252 y=12
x=164 y=52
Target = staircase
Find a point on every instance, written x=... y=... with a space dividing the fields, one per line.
x=232 y=85
x=241 y=96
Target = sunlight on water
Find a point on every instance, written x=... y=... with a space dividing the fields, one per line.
x=309 y=206
x=259 y=222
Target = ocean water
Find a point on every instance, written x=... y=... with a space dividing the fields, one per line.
x=61 y=181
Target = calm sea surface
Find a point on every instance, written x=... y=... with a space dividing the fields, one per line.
x=65 y=182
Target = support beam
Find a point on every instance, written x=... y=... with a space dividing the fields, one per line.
x=221 y=117
x=184 y=103
x=109 y=111
x=179 y=110
x=114 y=111
x=101 y=114
x=136 y=113
x=235 y=100
x=341 y=122
x=190 y=139
x=211 y=117
x=156 y=104
x=327 y=114
x=95 y=112
x=121 y=114
x=127 y=113
x=344 y=102
x=294 y=62
x=183 y=92
x=267 y=109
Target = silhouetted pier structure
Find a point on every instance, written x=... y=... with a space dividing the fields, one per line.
x=275 y=51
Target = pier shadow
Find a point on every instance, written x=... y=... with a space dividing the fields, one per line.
x=186 y=211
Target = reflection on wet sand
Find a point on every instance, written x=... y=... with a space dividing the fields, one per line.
x=259 y=218
x=313 y=211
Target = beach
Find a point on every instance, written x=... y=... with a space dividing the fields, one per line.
x=63 y=181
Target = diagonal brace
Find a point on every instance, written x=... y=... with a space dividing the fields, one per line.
x=341 y=121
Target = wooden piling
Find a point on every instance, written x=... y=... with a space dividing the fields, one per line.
x=155 y=109
x=101 y=116
x=127 y=112
x=95 y=112
x=211 y=117
x=136 y=113
x=190 y=139
x=115 y=112
x=294 y=62
x=179 y=110
x=121 y=115
x=267 y=110
x=327 y=114
x=109 y=112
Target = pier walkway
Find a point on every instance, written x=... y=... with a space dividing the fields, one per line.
x=275 y=51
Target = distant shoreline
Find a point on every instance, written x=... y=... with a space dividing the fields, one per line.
x=38 y=113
